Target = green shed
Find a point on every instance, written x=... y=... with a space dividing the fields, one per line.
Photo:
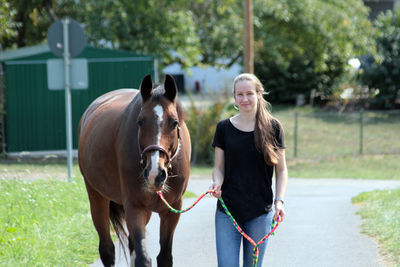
x=35 y=115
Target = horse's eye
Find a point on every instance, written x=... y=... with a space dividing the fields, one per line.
x=140 y=122
x=175 y=123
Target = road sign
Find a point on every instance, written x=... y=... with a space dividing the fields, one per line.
x=66 y=39
x=76 y=38
x=56 y=77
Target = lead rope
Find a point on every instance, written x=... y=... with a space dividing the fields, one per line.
x=275 y=223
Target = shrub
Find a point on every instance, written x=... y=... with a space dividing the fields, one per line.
x=201 y=120
x=300 y=77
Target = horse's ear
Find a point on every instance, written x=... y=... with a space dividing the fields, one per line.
x=146 y=87
x=170 y=88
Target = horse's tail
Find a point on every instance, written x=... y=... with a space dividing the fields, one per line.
x=117 y=218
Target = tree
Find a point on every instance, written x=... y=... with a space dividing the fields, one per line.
x=219 y=27
x=7 y=26
x=306 y=44
x=302 y=44
x=383 y=73
x=188 y=32
x=158 y=27
x=30 y=20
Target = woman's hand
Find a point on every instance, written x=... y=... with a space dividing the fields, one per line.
x=279 y=211
x=217 y=187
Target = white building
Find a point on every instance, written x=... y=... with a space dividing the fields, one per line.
x=207 y=79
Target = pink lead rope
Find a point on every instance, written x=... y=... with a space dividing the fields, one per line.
x=275 y=223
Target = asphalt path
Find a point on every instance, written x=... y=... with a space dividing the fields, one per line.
x=321 y=228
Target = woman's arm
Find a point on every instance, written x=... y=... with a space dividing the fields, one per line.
x=218 y=172
x=280 y=185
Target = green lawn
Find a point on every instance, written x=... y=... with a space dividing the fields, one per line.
x=45 y=223
x=380 y=167
x=381 y=213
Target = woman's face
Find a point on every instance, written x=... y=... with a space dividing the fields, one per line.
x=246 y=96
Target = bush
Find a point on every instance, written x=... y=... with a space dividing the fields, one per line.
x=300 y=77
x=201 y=120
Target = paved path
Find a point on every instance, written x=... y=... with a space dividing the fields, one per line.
x=321 y=227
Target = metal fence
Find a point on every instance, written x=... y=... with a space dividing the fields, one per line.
x=321 y=135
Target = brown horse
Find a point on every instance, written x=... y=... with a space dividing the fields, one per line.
x=132 y=145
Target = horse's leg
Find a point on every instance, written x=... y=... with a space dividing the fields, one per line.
x=131 y=240
x=99 y=207
x=168 y=223
x=136 y=220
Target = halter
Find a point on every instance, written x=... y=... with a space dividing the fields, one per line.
x=161 y=149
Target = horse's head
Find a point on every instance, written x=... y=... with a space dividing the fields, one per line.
x=159 y=127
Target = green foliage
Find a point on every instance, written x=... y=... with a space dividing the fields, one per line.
x=7 y=26
x=199 y=32
x=219 y=28
x=381 y=213
x=305 y=45
x=300 y=77
x=151 y=27
x=290 y=36
x=29 y=20
x=384 y=72
x=201 y=122
x=188 y=32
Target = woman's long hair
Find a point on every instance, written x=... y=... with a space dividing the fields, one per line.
x=264 y=129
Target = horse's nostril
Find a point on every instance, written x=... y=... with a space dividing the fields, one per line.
x=162 y=176
x=146 y=173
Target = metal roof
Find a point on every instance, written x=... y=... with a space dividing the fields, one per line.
x=23 y=52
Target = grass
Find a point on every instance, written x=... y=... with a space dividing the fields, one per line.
x=380 y=211
x=323 y=135
x=45 y=222
x=32 y=170
x=379 y=167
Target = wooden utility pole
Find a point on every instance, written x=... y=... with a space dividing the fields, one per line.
x=248 y=37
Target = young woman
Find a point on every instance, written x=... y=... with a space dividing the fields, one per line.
x=248 y=147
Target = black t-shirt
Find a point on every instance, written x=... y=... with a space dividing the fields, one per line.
x=246 y=189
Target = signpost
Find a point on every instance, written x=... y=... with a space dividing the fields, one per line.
x=66 y=39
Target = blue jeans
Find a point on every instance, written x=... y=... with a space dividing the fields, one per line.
x=229 y=239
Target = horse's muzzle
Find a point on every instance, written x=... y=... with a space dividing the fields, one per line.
x=155 y=182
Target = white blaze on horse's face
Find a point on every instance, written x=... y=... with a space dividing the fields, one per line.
x=155 y=155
